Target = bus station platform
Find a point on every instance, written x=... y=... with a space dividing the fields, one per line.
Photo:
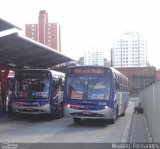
x=139 y=131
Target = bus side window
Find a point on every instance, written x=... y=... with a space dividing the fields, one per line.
x=117 y=85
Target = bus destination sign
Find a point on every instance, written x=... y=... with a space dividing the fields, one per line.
x=89 y=71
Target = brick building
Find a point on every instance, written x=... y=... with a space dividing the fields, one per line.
x=158 y=75
x=139 y=77
x=44 y=32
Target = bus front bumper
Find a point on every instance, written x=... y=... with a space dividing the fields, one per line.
x=106 y=113
x=31 y=110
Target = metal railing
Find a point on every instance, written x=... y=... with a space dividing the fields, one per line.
x=150 y=99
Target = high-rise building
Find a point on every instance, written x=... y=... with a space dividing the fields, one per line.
x=129 y=51
x=94 y=57
x=45 y=32
x=81 y=61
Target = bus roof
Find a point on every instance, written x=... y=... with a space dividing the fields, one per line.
x=53 y=72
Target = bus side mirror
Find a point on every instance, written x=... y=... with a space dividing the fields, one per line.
x=117 y=86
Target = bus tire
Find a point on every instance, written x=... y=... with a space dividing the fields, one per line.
x=60 y=113
x=62 y=110
x=123 y=114
x=76 y=120
x=113 y=121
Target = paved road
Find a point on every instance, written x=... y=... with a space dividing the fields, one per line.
x=45 y=130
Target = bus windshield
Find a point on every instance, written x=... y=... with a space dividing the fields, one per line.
x=88 y=88
x=27 y=87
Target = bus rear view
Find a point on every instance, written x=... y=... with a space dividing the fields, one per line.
x=90 y=93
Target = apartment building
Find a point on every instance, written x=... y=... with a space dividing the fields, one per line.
x=130 y=50
x=44 y=32
x=94 y=57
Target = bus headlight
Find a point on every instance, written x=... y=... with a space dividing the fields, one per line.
x=68 y=105
x=106 y=107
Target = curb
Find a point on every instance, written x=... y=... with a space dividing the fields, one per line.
x=147 y=129
x=127 y=132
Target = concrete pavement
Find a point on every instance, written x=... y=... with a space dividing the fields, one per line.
x=139 y=131
x=136 y=130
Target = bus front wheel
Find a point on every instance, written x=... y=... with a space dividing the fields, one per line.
x=60 y=113
x=115 y=116
x=76 y=120
x=123 y=114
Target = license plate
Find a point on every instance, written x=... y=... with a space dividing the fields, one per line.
x=29 y=109
x=86 y=113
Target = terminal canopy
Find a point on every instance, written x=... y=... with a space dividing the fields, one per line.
x=4 y=25
x=21 y=52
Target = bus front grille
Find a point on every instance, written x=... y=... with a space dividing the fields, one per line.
x=87 y=115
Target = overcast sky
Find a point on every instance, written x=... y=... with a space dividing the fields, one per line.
x=92 y=23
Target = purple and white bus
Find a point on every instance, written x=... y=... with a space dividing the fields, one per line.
x=37 y=91
x=95 y=92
